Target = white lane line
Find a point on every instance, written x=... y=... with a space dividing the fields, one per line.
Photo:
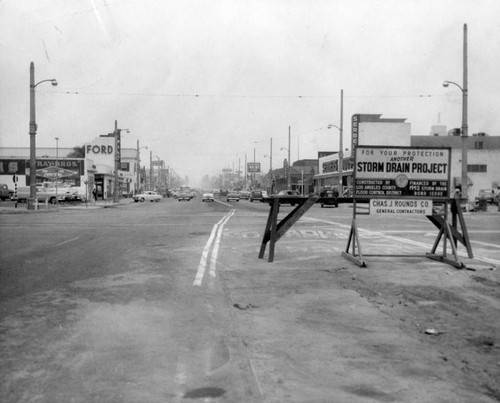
x=400 y=239
x=225 y=204
x=67 y=241
x=215 y=249
x=487 y=244
x=204 y=255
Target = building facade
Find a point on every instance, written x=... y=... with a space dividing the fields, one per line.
x=82 y=170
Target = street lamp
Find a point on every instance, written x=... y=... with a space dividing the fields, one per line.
x=289 y=162
x=341 y=143
x=464 y=88
x=57 y=167
x=139 y=165
x=32 y=131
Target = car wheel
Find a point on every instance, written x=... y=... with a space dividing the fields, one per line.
x=143 y=200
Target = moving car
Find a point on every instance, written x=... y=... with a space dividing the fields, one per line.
x=207 y=196
x=331 y=197
x=184 y=196
x=244 y=194
x=284 y=194
x=147 y=196
x=233 y=195
x=258 y=195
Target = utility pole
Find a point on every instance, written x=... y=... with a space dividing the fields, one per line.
x=253 y=170
x=151 y=170
x=289 y=184
x=271 y=157
x=116 y=133
x=465 y=126
x=32 y=132
x=138 y=165
x=341 y=144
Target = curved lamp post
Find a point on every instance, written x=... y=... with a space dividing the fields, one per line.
x=289 y=184
x=32 y=131
x=464 y=181
x=465 y=127
x=139 y=165
x=341 y=142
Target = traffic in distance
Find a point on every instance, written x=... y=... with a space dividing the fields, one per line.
x=50 y=192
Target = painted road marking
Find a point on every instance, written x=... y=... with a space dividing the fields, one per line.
x=216 y=231
x=67 y=241
x=225 y=204
x=215 y=249
x=400 y=239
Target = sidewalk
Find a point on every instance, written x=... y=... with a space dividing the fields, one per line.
x=22 y=208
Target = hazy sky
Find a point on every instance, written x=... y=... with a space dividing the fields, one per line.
x=202 y=83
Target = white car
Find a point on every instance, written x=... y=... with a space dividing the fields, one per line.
x=207 y=197
x=148 y=195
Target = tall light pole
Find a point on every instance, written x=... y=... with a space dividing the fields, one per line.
x=289 y=184
x=57 y=168
x=341 y=143
x=465 y=128
x=150 y=170
x=253 y=170
x=271 y=156
x=32 y=131
x=139 y=165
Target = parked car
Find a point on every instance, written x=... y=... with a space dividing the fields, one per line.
x=329 y=197
x=285 y=194
x=244 y=194
x=5 y=193
x=184 y=196
x=257 y=195
x=207 y=196
x=487 y=194
x=223 y=192
x=147 y=196
x=348 y=192
x=233 y=195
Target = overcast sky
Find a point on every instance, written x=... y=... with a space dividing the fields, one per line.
x=203 y=83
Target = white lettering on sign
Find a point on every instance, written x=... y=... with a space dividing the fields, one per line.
x=400 y=207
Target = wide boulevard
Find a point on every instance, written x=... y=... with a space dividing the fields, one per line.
x=168 y=302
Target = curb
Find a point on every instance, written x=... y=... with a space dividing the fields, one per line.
x=24 y=210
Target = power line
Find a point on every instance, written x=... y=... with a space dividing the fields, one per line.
x=256 y=96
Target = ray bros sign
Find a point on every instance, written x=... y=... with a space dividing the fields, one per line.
x=401 y=180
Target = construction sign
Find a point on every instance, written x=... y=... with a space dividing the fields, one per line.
x=402 y=173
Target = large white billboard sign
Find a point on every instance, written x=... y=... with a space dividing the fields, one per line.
x=399 y=172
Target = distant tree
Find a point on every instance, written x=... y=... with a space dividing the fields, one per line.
x=78 y=152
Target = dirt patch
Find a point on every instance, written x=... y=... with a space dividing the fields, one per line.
x=414 y=331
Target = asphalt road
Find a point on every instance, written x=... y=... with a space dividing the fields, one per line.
x=157 y=302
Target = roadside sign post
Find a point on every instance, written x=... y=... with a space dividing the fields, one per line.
x=407 y=181
x=15 y=179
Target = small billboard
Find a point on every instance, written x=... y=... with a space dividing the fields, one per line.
x=253 y=167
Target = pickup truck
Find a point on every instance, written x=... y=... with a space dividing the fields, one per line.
x=49 y=191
